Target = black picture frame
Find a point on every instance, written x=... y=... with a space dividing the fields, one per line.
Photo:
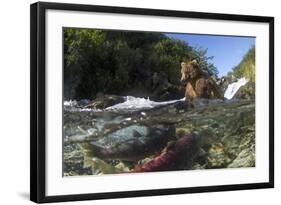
x=38 y=101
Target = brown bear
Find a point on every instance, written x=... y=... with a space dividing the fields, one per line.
x=199 y=84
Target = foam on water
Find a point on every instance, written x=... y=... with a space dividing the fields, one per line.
x=135 y=103
x=70 y=103
x=131 y=103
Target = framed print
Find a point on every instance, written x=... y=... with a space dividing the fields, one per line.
x=129 y=102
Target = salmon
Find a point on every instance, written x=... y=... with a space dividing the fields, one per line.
x=177 y=155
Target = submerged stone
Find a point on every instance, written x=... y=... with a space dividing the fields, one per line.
x=134 y=142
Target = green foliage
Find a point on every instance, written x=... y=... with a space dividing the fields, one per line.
x=246 y=67
x=115 y=62
x=200 y=55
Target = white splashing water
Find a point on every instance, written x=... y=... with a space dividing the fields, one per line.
x=70 y=103
x=234 y=87
x=135 y=103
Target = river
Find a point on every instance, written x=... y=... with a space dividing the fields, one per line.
x=137 y=131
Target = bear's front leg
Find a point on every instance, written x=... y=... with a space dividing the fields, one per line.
x=190 y=95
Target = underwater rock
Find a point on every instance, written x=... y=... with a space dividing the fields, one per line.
x=134 y=142
x=177 y=155
x=74 y=161
x=181 y=131
x=246 y=158
x=209 y=136
x=245 y=151
x=217 y=156
x=242 y=133
x=102 y=102
x=101 y=167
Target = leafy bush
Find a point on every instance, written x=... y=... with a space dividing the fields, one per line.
x=246 y=68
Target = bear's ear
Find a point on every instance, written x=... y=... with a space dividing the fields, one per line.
x=194 y=62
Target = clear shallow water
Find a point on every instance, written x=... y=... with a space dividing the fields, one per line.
x=225 y=130
x=132 y=133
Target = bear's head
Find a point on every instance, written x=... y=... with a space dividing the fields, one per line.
x=189 y=71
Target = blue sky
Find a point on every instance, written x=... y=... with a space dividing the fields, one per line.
x=228 y=51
